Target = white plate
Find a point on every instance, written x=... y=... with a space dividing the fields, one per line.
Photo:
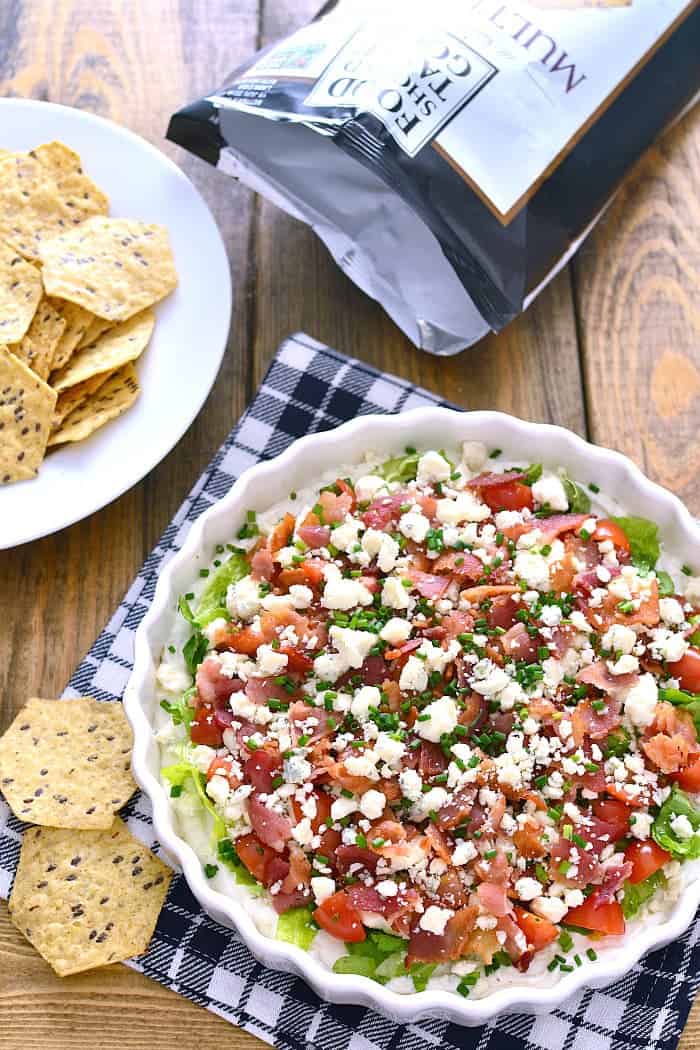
x=177 y=369
x=261 y=486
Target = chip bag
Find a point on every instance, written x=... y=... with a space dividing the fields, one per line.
x=452 y=155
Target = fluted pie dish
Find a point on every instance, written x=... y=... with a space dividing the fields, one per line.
x=416 y=708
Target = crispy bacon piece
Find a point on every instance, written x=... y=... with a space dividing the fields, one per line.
x=557 y=524
x=282 y=533
x=271 y=827
x=609 y=612
x=456 y=623
x=261 y=768
x=474 y=595
x=459 y=564
x=586 y=721
x=262 y=566
x=213 y=687
x=424 y=946
x=518 y=644
x=493 y=898
x=431 y=759
x=427 y=584
x=451 y=892
x=438 y=843
x=614 y=877
x=458 y=809
x=346 y=856
x=528 y=840
x=671 y=738
x=325 y=721
x=598 y=674
x=313 y=534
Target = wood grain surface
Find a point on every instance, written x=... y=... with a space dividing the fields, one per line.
x=610 y=349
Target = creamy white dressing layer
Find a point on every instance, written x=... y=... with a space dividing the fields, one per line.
x=194 y=823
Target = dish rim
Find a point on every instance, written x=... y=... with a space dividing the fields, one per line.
x=611 y=964
x=150 y=460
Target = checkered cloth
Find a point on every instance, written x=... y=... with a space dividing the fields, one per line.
x=311 y=388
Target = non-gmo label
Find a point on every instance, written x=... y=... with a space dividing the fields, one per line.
x=414 y=86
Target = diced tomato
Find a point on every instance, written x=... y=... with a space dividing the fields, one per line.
x=511 y=496
x=615 y=813
x=204 y=728
x=610 y=530
x=645 y=857
x=245 y=641
x=282 y=533
x=689 y=778
x=338 y=917
x=687 y=671
x=254 y=854
x=598 y=915
x=309 y=573
x=538 y=931
x=296 y=660
x=323 y=810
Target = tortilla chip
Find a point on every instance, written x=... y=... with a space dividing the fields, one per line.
x=87 y=898
x=118 y=346
x=20 y=292
x=26 y=408
x=97 y=327
x=77 y=323
x=38 y=347
x=66 y=763
x=68 y=400
x=114 y=267
x=40 y=198
x=115 y=395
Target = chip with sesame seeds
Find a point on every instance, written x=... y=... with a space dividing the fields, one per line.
x=26 y=411
x=67 y=763
x=87 y=898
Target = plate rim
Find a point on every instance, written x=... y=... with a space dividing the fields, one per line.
x=148 y=463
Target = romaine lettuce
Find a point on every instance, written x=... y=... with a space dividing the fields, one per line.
x=212 y=602
x=296 y=926
x=676 y=805
x=579 y=500
x=637 y=894
x=186 y=775
x=643 y=536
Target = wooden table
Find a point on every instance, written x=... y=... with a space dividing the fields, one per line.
x=611 y=349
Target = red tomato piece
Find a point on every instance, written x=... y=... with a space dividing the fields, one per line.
x=511 y=496
x=603 y=916
x=687 y=671
x=296 y=660
x=689 y=778
x=538 y=931
x=615 y=813
x=610 y=530
x=254 y=854
x=204 y=729
x=645 y=857
x=338 y=917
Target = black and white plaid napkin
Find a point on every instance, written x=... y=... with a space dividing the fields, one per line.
x=310 y=388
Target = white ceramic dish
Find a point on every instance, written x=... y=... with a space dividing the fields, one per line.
x=259 y=488
x=178 y=368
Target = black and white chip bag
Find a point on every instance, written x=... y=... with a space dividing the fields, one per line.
x=452 y=154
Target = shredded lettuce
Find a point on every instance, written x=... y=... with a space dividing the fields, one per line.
x=296 y=926
x=186 y=775
x=666 y=585
x=420 y=975
x=643 y=536
x=380 y=957
x=181 y=711
x=212 y=603
x=194 y=650
x=400 y=468
x=677 y=804
x=579 y=500
x=689 y=701
x=636 y=895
